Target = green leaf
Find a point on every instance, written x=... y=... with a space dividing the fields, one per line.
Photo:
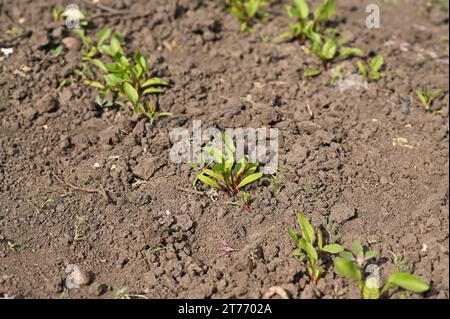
x=325 y=11
x=408 y=282
x=376 y=63
x=218 y=155
x=320 y=239
x=358 y=248
x=131 y=93
x=115 y=45
x=370 y=289
x=228 y=142
x=306 y=227
x=208 y=181
x=293 y=234
x=347 y=255
x=103 y=35
x=333 y=248
x=237 y=13
x=351 y=52
x=252 y=7
x=112 y=80
x=152 y=91
x=329 y=49
x=347 y=269
x=94 y=84
x=361 y=68
x=98 y=63
x=154 y=81
x=309 y=249
x=250 y=179
x=312 y=73
x=303 y=8
x=370 y=254
x=210 y=172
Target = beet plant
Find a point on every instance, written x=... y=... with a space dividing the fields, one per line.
x=373 y=70
x=328 y=50
x=310 y=245
x=247 y=12
x=228 y=174
x=370 y=285
x=304 y=22
x=126 y=81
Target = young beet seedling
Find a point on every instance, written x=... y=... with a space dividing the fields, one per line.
x=328 y=51
x=372 y=72
x=310 y=245
x=226 y=174
x=359 y=256
x=304 y=24
x=370 y=286
x=128 y=80
x=426 y=97
x=247 y=12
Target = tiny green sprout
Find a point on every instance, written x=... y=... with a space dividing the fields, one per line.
x=358 y=255
x=370 y=286
x=63 y=83
x=79 y=221
x=15 y=31
x=330 y=49
x=57 y=13
x=304 y=25
x=310 y=245
x=277 y=183
x=56 y=52
x=372 y=72
x=311 y=73
x=225 y=173
x=247 y=12
x=330 y=227
x=426 y=97
x=93 y=48
x=401 y=262
x=39 y=207
x=12 y=246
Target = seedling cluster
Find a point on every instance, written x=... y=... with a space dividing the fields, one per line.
x=351 y=265
x=122 y=81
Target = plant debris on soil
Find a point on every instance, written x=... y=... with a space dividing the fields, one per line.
x=363 y=154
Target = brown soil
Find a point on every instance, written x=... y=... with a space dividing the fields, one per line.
x=158 y=238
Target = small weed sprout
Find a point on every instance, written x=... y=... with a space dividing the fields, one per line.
x=57 y=13
x=15 y=31
x=310 y=244
x=227 y=175
x=372 y=71
x=39 y=207
x=12 y=246
x=370 y=286
x=426 y=97
x=277 y=183
x=401 y=262
x=304 y=24
x=79 y=221
x=247 y=12
x=331 y=229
